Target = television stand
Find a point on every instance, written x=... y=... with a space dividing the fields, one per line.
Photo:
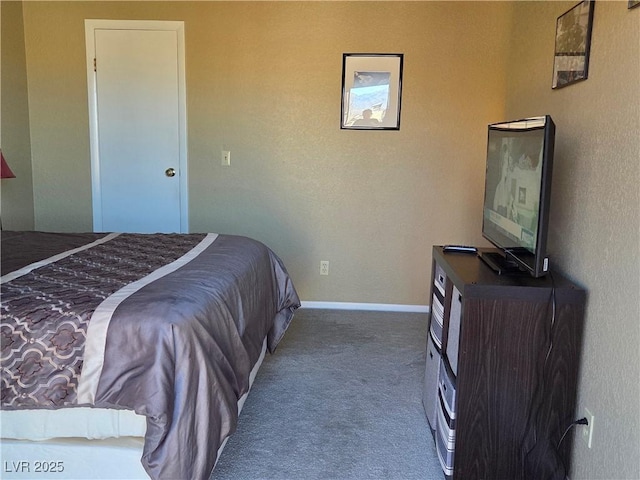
x=501 y=370
x=499 y=263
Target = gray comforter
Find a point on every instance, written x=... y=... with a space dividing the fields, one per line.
x=174 y=341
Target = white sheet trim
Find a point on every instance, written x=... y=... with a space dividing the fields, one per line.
x=98 y=325
x=78 y=422
x=29 y=268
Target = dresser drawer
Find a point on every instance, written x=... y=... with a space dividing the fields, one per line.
x=445 y=439
x=437 y=320
x=430 y=392
x=447 y=391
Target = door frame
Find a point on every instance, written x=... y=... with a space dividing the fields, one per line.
x=91 y=25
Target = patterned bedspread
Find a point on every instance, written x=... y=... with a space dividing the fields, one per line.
x=166 y=325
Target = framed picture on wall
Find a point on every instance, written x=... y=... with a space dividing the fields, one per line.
x=371 y=91
x=573 y=40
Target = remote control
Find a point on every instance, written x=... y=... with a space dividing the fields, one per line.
x=460 y=248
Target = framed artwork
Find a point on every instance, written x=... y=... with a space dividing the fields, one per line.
x=371 y=91
x=573 y=40
x=633 y=3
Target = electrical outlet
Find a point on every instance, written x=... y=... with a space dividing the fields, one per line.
x=324 y=267
x=587 y=431
x=226 y=158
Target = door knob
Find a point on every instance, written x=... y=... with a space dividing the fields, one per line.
x=170 y=172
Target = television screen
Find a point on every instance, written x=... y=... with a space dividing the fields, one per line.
x=517 y=187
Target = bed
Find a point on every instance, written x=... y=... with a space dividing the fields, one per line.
x=134 y=346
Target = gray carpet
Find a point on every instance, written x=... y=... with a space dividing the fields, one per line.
x=340 y=399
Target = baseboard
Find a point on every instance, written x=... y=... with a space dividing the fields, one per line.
x=381 y=307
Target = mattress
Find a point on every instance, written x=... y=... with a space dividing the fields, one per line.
x=163 y=328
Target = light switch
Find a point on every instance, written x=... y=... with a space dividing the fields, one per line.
x=226 y=158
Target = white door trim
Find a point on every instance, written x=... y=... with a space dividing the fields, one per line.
x=178 y=26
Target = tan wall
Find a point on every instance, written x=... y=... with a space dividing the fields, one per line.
x=595 y=219
x=264 y=81
x=17 y=193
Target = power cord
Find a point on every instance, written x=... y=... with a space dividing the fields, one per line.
x=582 y=421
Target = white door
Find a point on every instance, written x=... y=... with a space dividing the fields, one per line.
x=138 y=134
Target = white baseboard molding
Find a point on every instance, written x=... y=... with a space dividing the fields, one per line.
x=380 y=307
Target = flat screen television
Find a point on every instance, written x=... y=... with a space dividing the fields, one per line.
x=517 y=194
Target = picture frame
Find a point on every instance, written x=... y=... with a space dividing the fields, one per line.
x=633 y=3
x=371 y=91
x=573 y=42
